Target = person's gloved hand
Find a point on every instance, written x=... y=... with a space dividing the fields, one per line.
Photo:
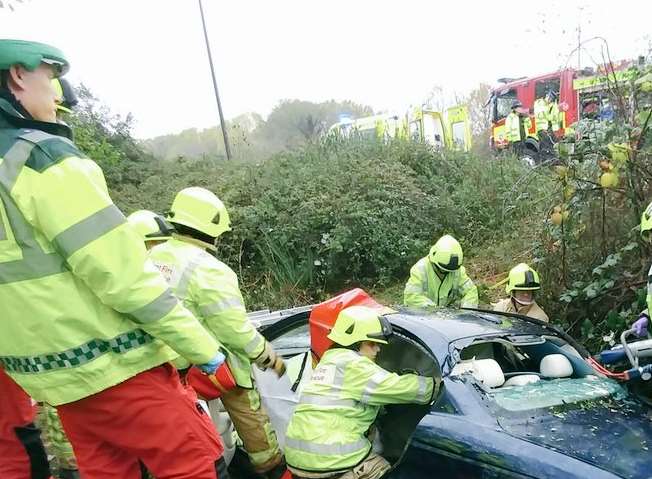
x=640 y=325
x=211 y=366
x=268 y=359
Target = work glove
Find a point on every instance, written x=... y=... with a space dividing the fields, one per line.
x=640 y=325
x=268 y=359
x=211 y=366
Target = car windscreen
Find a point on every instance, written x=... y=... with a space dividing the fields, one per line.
x=555 y=392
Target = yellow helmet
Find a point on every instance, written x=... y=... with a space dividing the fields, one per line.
x=359 y=323
x=646 y=221
x=201 y=210
x=446 y=254
x=522 y=278
x=150 y=226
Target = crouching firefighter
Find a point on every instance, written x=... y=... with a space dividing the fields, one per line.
x=522 y=283
x=327 y=434
x=209 y=288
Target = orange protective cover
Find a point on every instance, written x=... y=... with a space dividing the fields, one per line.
x=211 y=386
x=323 y=316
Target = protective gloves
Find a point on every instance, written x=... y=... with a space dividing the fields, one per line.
x=268 y=359
x=640 y=325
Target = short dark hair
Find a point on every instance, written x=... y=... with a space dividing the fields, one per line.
x=4 y=79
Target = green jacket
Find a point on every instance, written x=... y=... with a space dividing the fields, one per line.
x=327 y=431
x=209 y=289
x=425 y=289
x=82 y=308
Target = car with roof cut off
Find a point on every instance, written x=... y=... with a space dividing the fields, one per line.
x=517 y=399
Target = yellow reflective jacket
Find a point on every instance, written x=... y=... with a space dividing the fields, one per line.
x=541 y=114
x=338 y=406
x=426 y=289
x=209 y=289
x=82 y=307
x=513 y=127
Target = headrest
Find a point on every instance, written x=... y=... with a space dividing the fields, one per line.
x=556 y=366
x=487 y=371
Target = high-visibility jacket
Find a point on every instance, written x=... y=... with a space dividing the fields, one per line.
x=532 y=310
x=541 y=114
x=426 y=289
x=209 y=289
x=554 y=116
x=513 y=127
x=338 y=406
x=82 y=307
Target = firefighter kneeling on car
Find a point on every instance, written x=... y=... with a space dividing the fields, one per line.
x=327 y=434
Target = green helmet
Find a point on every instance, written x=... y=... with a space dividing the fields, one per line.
x=31 y=55
x=446 y=254
x=522 y=278
x=359 y=323
x=150 y=226
x=646 y=221
x=201 y=210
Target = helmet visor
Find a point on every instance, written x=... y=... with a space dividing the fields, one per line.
x=452 y=265
x=385 y=330
x=165 y=229
x=529 y=282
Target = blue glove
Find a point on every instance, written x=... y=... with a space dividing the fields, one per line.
x=211 y=366
x=640 y=325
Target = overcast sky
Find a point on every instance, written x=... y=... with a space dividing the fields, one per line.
x=148 y=56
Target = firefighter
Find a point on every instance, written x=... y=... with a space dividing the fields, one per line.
x=554 y=113
x=513 y=124
x=439 y=279
x=210 y=289
x=522 y=282
x=541 y=111
x=153 y=228
x=73 y=271
x=640 y=326
x=327 y=433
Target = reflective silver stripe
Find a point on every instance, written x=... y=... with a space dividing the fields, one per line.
x=157 y=309
x=35 y=262
x=373 y=384
x=34 y=265
x=181 y=287
x=220 y=306
x=252 y=345
x=88 y=230
x=3 y=231
x=316 y=400
x=327 y=449
x=423 y=387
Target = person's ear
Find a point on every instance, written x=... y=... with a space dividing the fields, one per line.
x=16 y=79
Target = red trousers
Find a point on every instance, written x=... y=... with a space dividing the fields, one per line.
x=148 y=418
x=22 y=455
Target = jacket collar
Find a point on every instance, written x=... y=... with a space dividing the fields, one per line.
x=14 y=116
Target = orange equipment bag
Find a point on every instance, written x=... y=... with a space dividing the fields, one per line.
x=323 y=316
x=211 y=386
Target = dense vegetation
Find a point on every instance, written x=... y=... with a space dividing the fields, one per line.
x=323 y=215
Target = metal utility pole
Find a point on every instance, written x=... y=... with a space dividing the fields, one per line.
x=217 y=95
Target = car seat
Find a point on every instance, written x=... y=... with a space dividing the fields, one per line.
x=555 y=366
x=521 y=380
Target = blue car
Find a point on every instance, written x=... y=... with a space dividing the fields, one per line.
x=517 y=400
